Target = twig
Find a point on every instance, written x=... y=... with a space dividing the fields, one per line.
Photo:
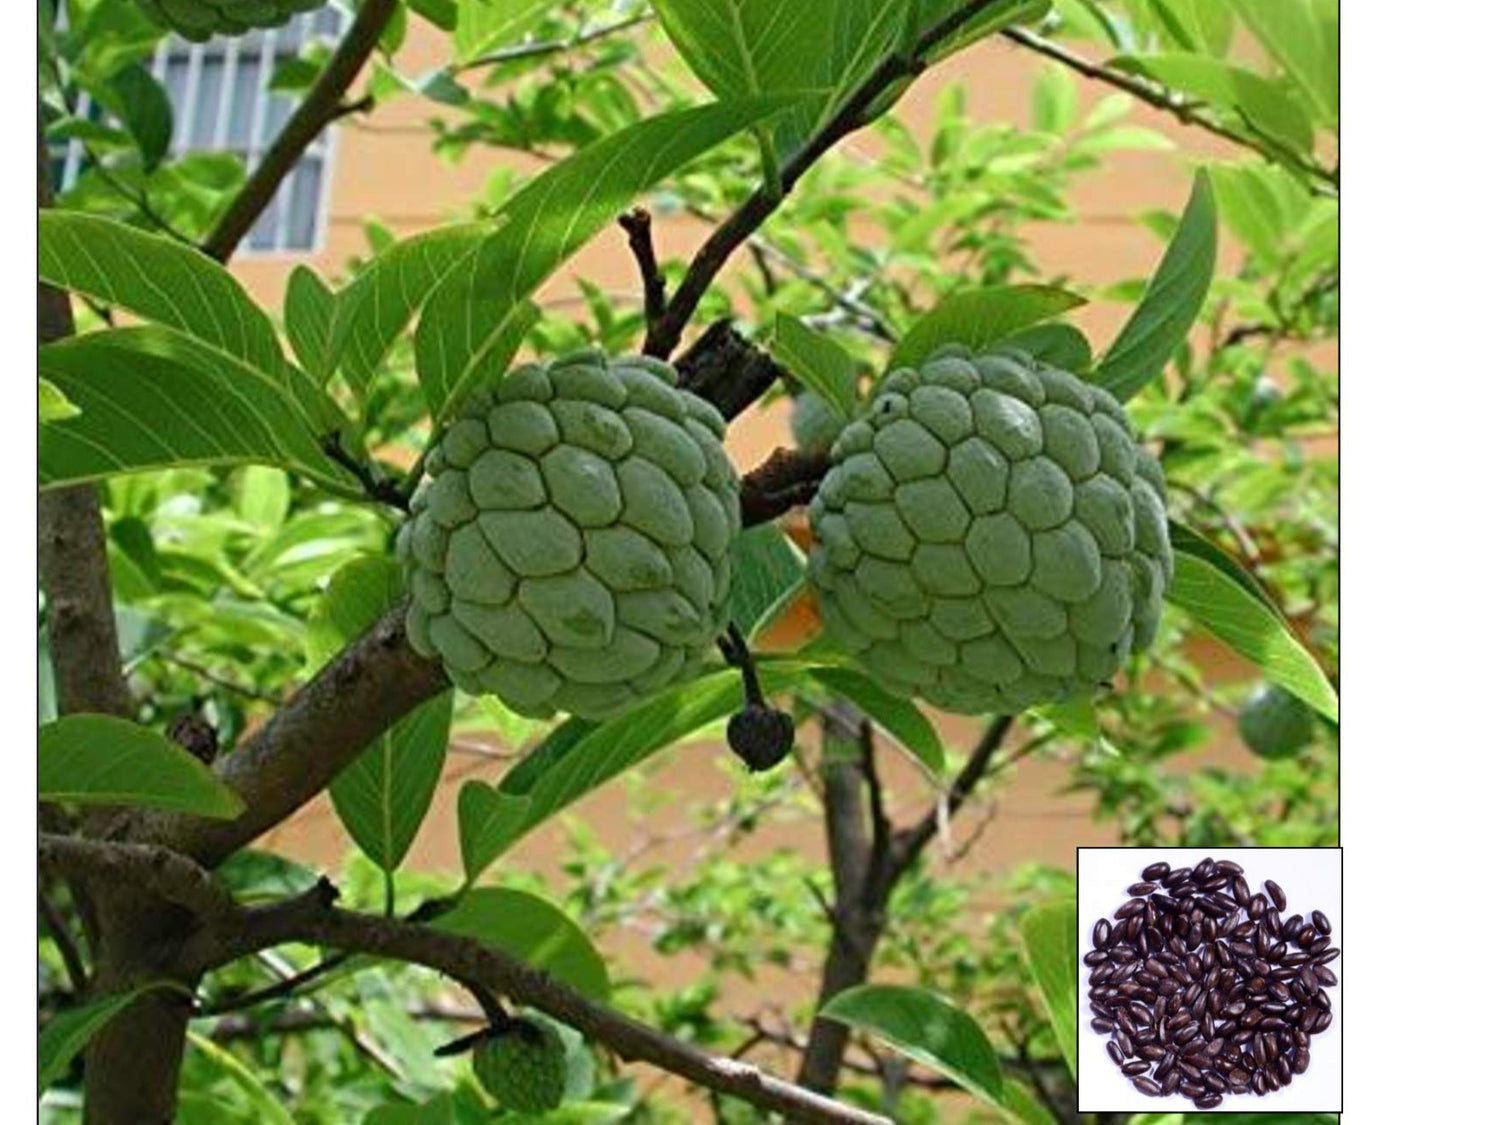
x=324 y=103
x=851 y=114
x=1161 y=98
x=555 y=46
x=62 y=937
x=217 y=680
x=470 y=960
x=382 y=490
x=637 y=225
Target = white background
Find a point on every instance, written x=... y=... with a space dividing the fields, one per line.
x=1310 y=878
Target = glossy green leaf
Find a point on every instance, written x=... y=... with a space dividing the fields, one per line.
x=357 y=595
x=261 y=496
x=1049 y=942
x=154 y=397
x=818 y=362
x=488 y=820
x=268 y=1106
x=768 y=570
x=138 y=101
x=1231 y=89
x=1176 y=292
x=542 y=225
x=533 y=930
x=978 y=317
x=1187 y=541
x=69 y=1032
x=483 y=26
x=308 y=313
x=103 y=760
x=1303 y=37
x=1054 y=99
x=52 y=404
x=378 y=304
x=158 y=279
x=1060 y=345
x=383 y=795
x=924 y=1027
x=1234 y=614
x=900 y=718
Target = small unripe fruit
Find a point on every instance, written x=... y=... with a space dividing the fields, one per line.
x=524 y=1068
x=1274 y=723
x=762 y=736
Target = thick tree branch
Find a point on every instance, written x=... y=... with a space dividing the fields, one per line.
x=727 y=370
x=166 y=874
x=1162 y=98
x=304 y=745
x=468 y=960
x=785 y=480
x=324 y=104
x=851 y=114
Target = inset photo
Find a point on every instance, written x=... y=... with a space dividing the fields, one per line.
x=1208 y=980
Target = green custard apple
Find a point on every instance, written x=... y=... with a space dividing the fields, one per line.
x=1274 y=723
x=570 y=548
x=815 y=424
x=199 y=19
x=990 y=535
x=525 y=1068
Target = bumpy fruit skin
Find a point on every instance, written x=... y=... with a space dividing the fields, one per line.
x=570 y=549
x=525 y=1069
x=815 y=424
x=990 y=536
x=199 y=19
x=1274 y=723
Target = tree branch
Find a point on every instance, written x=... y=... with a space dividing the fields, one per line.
x=62 y=937
x=556 y=46
x=637 y=225
x=726 y=369
x=787 y=479
x=851 y=115
x=324 y=103
x=1162 y=98
x=469 y=960
x=166 y=874
x=375 y=681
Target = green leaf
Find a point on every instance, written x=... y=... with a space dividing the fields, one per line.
x=818 y=362
x=768 y=570
x=533 y=930
x=1162 y=320
x=377 y=305
x=103 y=760
x=488 y=820
x=439 y=1111
x=924 y=1027
x=1231 y=89
x=357 y=595
x=1243 y=621
x=1060 y=345
x=1054 y=100
x=160 y=280
x=484 y=25
x=268 y=1106
x=153 y=397
x=1187 y=541
x=548 y=219
x=69 y=1032
x=137 y=99
x=52 y=404
x=1303 y=37
x=309 y=313
x=444 y=14
x=979 y=317
x=261 y=496
x=1049 y=942
x=383 y=795
x=900 y=718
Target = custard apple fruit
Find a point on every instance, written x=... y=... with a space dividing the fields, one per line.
x=1274 y=723
x=525 y=1068
x=815 y=424
x=570 y=549
x=990 y=536
x=199 y=19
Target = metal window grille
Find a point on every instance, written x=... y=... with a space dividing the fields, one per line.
x=221 y=102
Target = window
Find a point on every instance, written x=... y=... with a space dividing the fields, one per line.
x=220 y=103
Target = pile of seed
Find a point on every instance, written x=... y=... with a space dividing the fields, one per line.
x=1204 y=989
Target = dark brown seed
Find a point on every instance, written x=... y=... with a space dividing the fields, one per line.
x=1170 y=1083
x=1103 y=1027
x=1229 y=867
x=1319 y=945
x=1102 y=930
x=1130 y=908
x=1214 y=1080
x=1176 y=875
x=1307 y=935
x=1258 y=906
x=1278 y=896
x=1258 y=1084
x=1113 y=1049
x=1208 y=1101
x=1325 y=976
x=1137 y=1066
x=1127 y=1045
x=1096 y=957
x=1146 y=1086
x=1284 y=1070
x=1140 y=888
x=1290 y=927
x=1193 y=1089
x=1301 y=1061
x=1152 y=1051
x=1204 y=871
x=1320 y=920
x=1327 y=955
x=1155 y=872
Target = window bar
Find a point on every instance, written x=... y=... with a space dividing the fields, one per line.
x=190 y=91
x=226 y=92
